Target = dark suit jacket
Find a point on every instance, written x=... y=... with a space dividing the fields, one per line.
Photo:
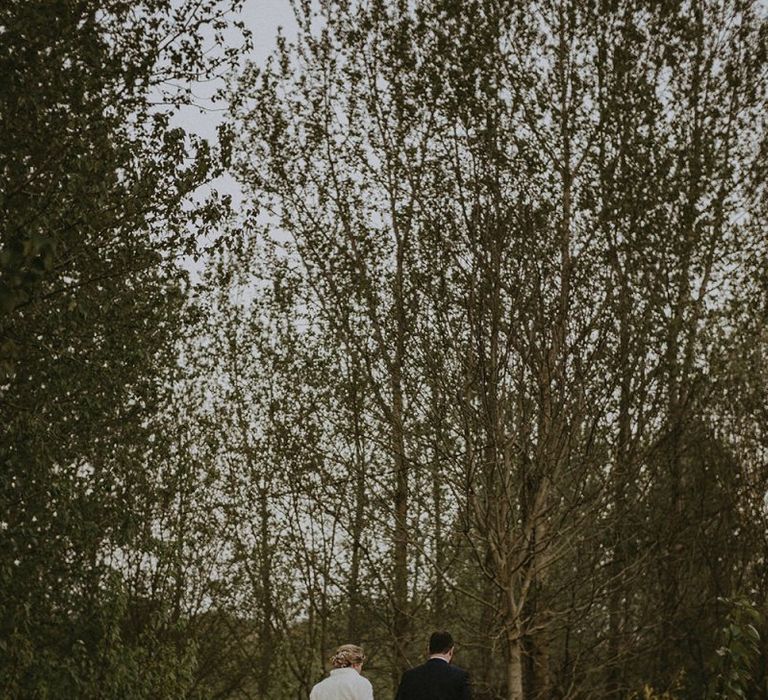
x=434 y=680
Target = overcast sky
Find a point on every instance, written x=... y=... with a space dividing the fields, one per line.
x=262 y=17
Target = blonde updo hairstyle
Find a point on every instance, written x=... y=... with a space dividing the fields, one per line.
x=347 y=655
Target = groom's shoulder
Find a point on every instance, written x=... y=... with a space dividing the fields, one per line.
x=456 y=674
x=437 y=667
x=457 y=670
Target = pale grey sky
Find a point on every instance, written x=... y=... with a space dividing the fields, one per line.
x=262 y=17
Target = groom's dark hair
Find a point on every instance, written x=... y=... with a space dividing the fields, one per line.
x=440 y=643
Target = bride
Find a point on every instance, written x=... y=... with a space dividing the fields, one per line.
x=344 y=681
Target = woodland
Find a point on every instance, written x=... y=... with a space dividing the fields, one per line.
x=480 y=345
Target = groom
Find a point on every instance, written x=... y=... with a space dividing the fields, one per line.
x=437 y=679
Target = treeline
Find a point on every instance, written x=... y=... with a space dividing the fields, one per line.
x=484 y=350
x=95 y=214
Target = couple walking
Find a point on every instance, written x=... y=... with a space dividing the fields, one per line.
x=436 y=679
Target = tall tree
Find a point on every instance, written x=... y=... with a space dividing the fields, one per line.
x=92 y=221
x=526 y=225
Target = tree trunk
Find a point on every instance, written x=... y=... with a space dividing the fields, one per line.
x=438 y=597
x=353 y=619
x=514 y=666
x=400 y=501
x=266 y=655
x=616 y=605
x=536 y=651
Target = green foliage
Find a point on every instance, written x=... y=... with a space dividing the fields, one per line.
x=675 y=691
x=482 y=351
x=94 y=656
x=539 y=227
x=739 y=650
x=95 y=212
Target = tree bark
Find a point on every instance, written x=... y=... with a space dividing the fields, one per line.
x=400 y=501
x=266 y=645
x=353 y=619
x=514 y=665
